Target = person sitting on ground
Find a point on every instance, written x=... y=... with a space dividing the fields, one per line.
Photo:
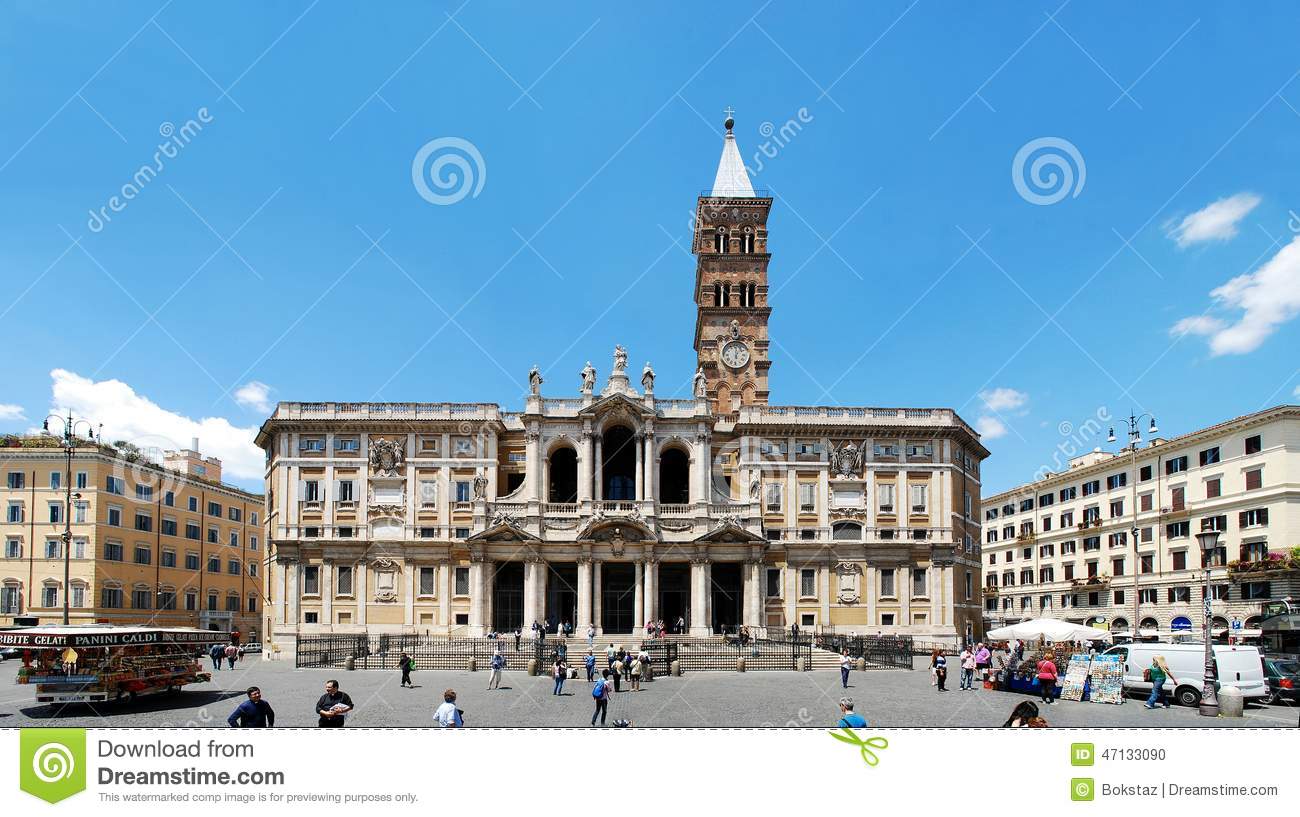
x=848 y=718
x=1024 y=712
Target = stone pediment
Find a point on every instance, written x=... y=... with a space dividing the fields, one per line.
x=728 y=530
x=616 y=530
x=504 y=530
x=617 y=404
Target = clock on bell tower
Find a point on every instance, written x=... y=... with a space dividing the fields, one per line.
x=730 y=243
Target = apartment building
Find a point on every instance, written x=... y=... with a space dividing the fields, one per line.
x=1065 y=545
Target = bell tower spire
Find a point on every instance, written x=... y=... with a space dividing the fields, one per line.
x=731 y=341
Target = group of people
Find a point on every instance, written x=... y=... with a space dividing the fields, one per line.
x=230 y=653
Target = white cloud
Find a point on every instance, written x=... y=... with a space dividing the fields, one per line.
x=1216 y=221
x=1197 y=325
x=11 y=411
x=1003 y=399
x=129 y=416
x=254 y=395
x=990 y=427
x=1267 y=298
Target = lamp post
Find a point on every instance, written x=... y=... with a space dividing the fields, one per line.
x=1208 y=540
x=69 y=444
x=1134 y=438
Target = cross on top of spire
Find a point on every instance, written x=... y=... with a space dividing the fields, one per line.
x=729 y=111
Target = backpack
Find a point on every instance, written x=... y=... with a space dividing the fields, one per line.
x=598 y=691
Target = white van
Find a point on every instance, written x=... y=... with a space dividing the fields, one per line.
x=1238 y=666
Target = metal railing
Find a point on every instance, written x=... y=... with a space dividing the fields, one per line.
x=893 y=651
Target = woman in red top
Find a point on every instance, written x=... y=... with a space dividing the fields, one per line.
x=1047 y=678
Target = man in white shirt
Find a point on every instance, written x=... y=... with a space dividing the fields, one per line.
x=448 y=716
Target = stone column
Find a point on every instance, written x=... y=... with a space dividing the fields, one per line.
x=487 y=576
x=445 y=579
x=791 y=580
x=290 y=606
x=596 y=587
x=825 y=582
x=948 y=593
x=598 y=468
x=651 y=589
x=749 y=590
x=585 y=461
x=639 y=473
x=905 y=595
x=533 y=463
x=638 y=596
x=475 y=600
x=649 y=466
x=872 y=579
x=760 y=595
x=408 y=601
x=361 y=589
x=699 y=611
x=530 y=593
x=708 y=597
x=327 y=591
x=584 y=596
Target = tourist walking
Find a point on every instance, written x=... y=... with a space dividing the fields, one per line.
x=217 y=652
x=1157 y=674
x=609 y=656
x=939 y=666
x=616 y=672
x=601 y=693
x=333 y=706
x=447 y=715
x=406 y=663
x=253 y=713
x=519 y=634
x=559 y=672
x=497 y=664
x=589 y=661
x=591 y=637
x=232 y=655
x=848 y=718
x=635 y=670
x=681 y=626
x=1047 y=678
x=982 y=658
x=846 y=664
x=967 y=668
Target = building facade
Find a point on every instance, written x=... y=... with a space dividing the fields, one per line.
x=165 y=545
x=1064 y=546
x=617 y=506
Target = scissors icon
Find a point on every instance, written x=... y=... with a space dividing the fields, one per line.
x=869 y=757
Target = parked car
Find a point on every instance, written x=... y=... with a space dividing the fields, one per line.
x=1283 y=677
x=1238 y=666
x=10 y=652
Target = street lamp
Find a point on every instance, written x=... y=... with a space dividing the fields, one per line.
x=69 y=444
x=1208 y=540
x=1134 y=439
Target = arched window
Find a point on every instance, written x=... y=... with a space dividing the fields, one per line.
x=563 y=472
x=720 y=240
x=747 y=240
x=674 y=477
x=746 y=291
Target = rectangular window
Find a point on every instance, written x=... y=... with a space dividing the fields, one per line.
x=1144 y=473
x=1219 y=523
x=53 y=549
x=462 y=581
x=252 y=569
x=1067 y=519
x=1180 y=560
x=1067 y=494
x=1090 y=488
x=143 y=555
x=774 y=583
x=114 y=485
x=1254 y=444
x=235 y=514
x=428 y=581
x=191 y=601
x=1067 y=547
x=1147 y=595
x=169 y=499
x=1212 y=488
x=168 y=527
x=1177 y=498
x=1179 y=595
x=1118 y=598
x=311 y=580
x=1116 y=508
x=347 y=444
x=1068 y=571
x=1257 y=517
x=191 y=561
x=78 y=596
x=113 y=551
x=143 y=522
x=772 y=494
x=462 y=491
x=1116 y=480
x=1219 y=592
x=1046 y=499
x=345 y=491
x=1176 y=465
x=919 y=582
x=233 y=567
x=1210 y=456
x=252 y=543
x=344 y=580
x=428 y=493
x=1144 y=502
x=311 y=444
x=1145 y=534
x=1117 y=567
x=1255 y=590
x=193 y=504
x=192 y=531
x=1254 y=479
x=56 y=513
x=56 y=480
x=234 y=539
x=1026 y=504
x=807 y=497
x=79 y=509
x=1177 y=530
x=311 y=490
x=807 y=584
x=918 y=497
x=114 y=516
x=168 y=558
x=1147 y=562
x=214 y=564
x=141 y=599
x=887 y=582
x=17 y=480
x=885 y=493
x=110 y=597
x=13 y=548
x=144 y=493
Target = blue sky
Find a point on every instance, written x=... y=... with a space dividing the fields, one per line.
x=908 y=268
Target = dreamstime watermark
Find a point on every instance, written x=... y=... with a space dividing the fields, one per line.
x=776 y=138
x=1076 y=439
x=1048 y=169
x=1293 y=223
x=450 y=164
x=175 y=140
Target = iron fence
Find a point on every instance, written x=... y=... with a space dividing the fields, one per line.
x=383 y=651
x=894 y=651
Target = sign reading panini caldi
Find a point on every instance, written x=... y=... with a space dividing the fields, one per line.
x=37 y=638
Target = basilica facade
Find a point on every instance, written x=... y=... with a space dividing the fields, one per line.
x=617 y=507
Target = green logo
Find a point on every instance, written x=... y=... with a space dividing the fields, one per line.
x=52 y=762
x=1081 y=788
x=865 y=745
x=1081 y=754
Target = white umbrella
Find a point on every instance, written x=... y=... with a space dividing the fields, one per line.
x=1047 y=629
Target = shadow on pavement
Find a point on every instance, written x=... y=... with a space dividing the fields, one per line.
x=160 y=702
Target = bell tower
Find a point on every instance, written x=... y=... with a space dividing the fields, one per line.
x=731 y=342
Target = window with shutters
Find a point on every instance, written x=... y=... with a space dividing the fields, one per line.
x=311 y=580
x=1209 y=456
x=344 y=580
x=1179 y=560
x=1212 y=489
x=344 y=491
x=885 y=495
x=428 y=581
x=1176 y=465
x=1177 y=498
x=887 y=582
x=918 y=497
x=1254 y=518
x=1254 y=479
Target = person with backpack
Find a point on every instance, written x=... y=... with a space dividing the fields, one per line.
x=601 y=693
x=1047 y=678
x=1157 y=674
x=848 y=718
x=447 y=715
x=559 y=672
x=616 y=671
x=589 y=661
x=498 y=663
x=634 y=672
x=939 y=666
x=406 y=663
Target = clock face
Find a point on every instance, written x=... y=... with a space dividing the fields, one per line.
x=735 y=354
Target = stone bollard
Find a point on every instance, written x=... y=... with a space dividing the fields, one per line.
x=740 y=664
x=1231 y=703
x=861 y=665
x=350 y=663
x=473 y=664
x=803 y=663
x=532 y=666
x=676 y=669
